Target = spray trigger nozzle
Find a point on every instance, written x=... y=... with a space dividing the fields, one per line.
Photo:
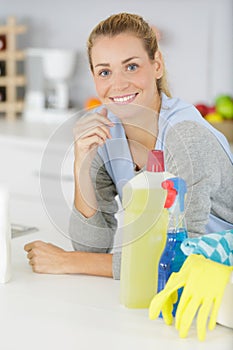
x=171 y=193
x=175 y=186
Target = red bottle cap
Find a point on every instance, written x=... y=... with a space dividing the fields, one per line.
x=155 y=161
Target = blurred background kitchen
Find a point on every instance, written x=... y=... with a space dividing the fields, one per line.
x=45 y=80
x=52 y=73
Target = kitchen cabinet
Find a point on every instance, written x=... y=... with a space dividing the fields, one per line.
x=23 y=148
x=10 y=80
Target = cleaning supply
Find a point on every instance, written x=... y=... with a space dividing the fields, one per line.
x=217 y=246
x=5 y=237
x=173 y=257
x=144 y=233
x=204 y=282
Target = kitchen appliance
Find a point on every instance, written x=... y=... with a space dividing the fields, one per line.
x=48 y=74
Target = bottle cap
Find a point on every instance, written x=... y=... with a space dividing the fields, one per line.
x=155 y=161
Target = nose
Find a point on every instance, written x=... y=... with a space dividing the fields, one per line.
x=120 y=81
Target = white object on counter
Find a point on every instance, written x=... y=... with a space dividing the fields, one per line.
x=5 y=237
x=225 y=314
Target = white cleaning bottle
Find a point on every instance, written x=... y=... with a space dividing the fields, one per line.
x=5 y=237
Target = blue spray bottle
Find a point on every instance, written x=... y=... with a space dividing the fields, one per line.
x=172 y=257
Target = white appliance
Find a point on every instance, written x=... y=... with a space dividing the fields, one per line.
x=48 y=74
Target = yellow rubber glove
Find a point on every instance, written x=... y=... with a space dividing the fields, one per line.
x=204 y=282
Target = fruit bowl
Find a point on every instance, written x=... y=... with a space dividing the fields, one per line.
x=220 y=115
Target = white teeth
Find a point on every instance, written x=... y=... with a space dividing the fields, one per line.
x=123 y=99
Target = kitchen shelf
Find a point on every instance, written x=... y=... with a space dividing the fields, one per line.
x=18 y=80
x=14 y=107
x=10 y=104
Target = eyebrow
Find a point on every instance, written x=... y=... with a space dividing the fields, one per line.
x=123 y=62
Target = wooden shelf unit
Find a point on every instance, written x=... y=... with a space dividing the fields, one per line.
x=11 y=81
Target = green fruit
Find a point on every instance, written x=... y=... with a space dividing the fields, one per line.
x=222 y=98
x=224 y=106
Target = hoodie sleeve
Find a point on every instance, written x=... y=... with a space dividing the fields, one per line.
x=96 y=234
x=192 y=152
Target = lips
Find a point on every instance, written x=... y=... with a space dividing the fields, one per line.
x=124 y=99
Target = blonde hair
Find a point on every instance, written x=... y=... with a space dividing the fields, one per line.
x=136 y=25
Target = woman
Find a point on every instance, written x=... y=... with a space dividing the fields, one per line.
x=112 y=143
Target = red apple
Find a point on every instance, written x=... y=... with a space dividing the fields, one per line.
x=202 y=108
x=212 y=109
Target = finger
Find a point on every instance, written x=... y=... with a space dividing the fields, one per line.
x=30 y=254
x=103 y=112
x=188 y=316
x=90 y=128
x=102 y=131
x=92 y=142
x=31 y=245
x=202 y=317
x=174 y=297
x=156 y=305
x=85 y=148
x=167 y=311
x=31 y=262
x=184 y=300
x=174 y=282
x=28 y=247
x=162 y=302
x=100 y=118
x=214 y=314
x=95 y=129
x=168 y=318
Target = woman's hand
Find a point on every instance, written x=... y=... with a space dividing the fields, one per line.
x=90 y=132
x=46 y=257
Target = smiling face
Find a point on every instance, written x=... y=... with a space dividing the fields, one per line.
x=123 y=72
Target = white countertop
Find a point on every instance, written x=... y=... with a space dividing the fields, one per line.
x=39 y=311
x=60 y=312
x=24 y=129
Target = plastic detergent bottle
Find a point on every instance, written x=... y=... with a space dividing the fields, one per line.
x=144 y=233
x=5 y=237
x=172 y=257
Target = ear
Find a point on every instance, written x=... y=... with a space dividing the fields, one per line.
x=158 y=60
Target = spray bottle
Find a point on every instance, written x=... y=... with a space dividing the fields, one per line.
x=172 y=257
x=144 y=233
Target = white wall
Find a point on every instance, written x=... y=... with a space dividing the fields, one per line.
x=197 y=38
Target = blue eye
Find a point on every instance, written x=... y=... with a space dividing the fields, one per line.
x=104 y=73
x=132 y=67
